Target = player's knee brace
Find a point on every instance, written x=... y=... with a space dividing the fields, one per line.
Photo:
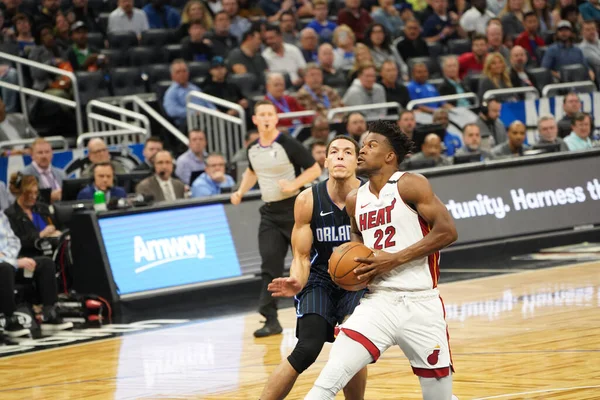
x=305 y=353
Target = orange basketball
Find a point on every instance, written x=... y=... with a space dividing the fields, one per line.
x=342 y=265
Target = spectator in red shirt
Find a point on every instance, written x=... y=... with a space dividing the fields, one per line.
x=472 y=63
x=355 y=17
x=282 y=102
x=529 y=39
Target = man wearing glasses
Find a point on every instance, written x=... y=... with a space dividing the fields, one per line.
x=214 y=179
x=98 y=153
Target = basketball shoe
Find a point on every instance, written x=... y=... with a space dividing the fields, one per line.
x=271 y=327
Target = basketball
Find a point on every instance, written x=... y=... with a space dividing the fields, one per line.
x=342 y=265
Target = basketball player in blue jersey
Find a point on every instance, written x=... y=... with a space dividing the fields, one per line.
x=321 y=224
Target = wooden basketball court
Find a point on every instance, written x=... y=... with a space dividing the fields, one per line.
x=526 y=335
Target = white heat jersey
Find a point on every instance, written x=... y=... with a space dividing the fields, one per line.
x=387 y=223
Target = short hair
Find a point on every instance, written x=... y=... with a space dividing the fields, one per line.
x=416 y=21
x=590 y=22
x=389 y=61
x=154 y=139
x=317 y=143
x=544 y=118
x=415 y=65
x=346 y=118
x=250 y=33
x=495 y=21
x=19 y=183
x=273 y=28
x=448 y=58
x=311 y=65
x=398 y=141
x=319 y=119
x=570 y=94
x=175 y=62
x=271 y=75
x=470 y=124
x=405 y=112
x=196 y=22
x=515 y=123
x=479 y=36
x=20 y=17
x=221 y=12
x=580 y=116
x=529 y=14
x=363 y=67
x=319 y=3
x=196 y=130
x=344 y=137
x=39 y=141
x=263 y=103
x=103 y=164
x=216 y=154
x=287 y=12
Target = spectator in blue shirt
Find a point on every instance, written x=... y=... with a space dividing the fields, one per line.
x=563 y=53
x=214 y=179
x=174 y=101
x=452 y=142
x=104 y=178
x=321 y=24
x=161 y=16
x=418 y=88
x=590 y=10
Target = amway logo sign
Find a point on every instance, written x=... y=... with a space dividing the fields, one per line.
x=161 y=251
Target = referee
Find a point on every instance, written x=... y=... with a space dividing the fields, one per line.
x=276 y=161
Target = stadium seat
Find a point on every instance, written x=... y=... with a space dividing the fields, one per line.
x=103 y=21
x=144 y=56
x=198 y=69
x=247 y=83
x=548 y=37
x=542 y=77
x=92 y=85
x=96 y=39
x=174 y=51
x=471 y=82
x=459 y=46
x=432 y=65
x=116 y=58
x=156 y=73
x=435 y=49
x=198 y=81
x=161 y=88
x=155 y=37
x=574 y=73
x=127 y=81
x=122 y=40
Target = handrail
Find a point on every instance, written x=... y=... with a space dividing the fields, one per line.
x=139 y=102
x=500 y=92
x=51 y=139
x=365 y=107
x=215 y=100
x=566 y=85
x=297 y=114
x=214 y=113
x=470 y=95
x=101 y=123
x=19 y=61
x=119 y=132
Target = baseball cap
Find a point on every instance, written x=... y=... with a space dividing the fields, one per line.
x=564 y=24
x=78 y=25
x=217 y=61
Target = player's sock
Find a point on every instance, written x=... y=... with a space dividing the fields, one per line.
x=436 y=389
x=346 y=358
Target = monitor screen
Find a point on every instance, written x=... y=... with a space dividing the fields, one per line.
x=170 y=247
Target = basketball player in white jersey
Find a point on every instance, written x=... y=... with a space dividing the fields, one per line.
x=400 y=218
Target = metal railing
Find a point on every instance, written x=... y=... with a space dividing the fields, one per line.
x=138 y=103
x=224 y=133
x=470 y=95
x=297 y=114
x=25 y=91
x=108 y=135
x=511 y=91
x=567 y=85
x=23 y=142
x=367 y=107
x=136 y=123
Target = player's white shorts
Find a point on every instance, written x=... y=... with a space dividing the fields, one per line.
x=415 y=321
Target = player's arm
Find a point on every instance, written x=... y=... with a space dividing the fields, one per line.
x=307 y=176
x=302 y=240
x=248 y=181
x=355 y=234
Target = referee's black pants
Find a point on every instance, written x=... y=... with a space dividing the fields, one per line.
x=274 y=239
x=43 y=278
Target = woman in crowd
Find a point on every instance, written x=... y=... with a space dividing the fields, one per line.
x=344 y=41
x=379 y=41
x=24 y=37
x=495 y=76
x=194 y=10
x=512 y=17
x=362 y=55
x=542 y=10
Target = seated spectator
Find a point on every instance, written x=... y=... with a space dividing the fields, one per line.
x=194 y=158
x=431 y=150
x=47 y=52
x=389 y=17
x=548 y=132
x=283 y=57
x=81 y=56
x=413 y=44
x=419 y=88
x=519 y=77
x=590 y=45
x=238 y=24
x=355 y=17
x=194 y=10
x=344 y=40
x=127 y=18
x=407 y=122
x=331 y=76
x=541 y=8
x=217 y=85
x=8 y=74
x=319 y=132
x=590 y=10
x=356 y=125
x=195 y=47
x=6 y=197
x=309 y=42
x=14 y=126
x=152 y=146
x=472 y=142
x=162 y=186
x=365 y=91
x=222 y=41
x=104 y=180
x=321 y=25
x=475 y=19
x=313 y=95
x=495 y=39
x=62 y=32
x=394 y=89
x=472 y=63
x=529 y=39
x=174 y=100
x=514 y=146
x=214 y=180
x=242 y=154
x=274 y=9
x=441 y=25
x=579 y=139
x=452 y=142
x=490 y=126
x=452 y=84
x=287 y=25
x=379 y=43
x=24 y=38
x=98 y=153
x=14 y=269
x=362 y=56
x=46 y=14
x=495 y=76
x=282 y=102
x=318 y=149
x=48 y=176
x=161 y=16
x=571 y=106
x=247 y=58
x=562 y=52
x=29 y=219
x=81 y=12
x=512 y=17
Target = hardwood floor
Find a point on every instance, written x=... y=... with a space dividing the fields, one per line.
x=527 y=335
